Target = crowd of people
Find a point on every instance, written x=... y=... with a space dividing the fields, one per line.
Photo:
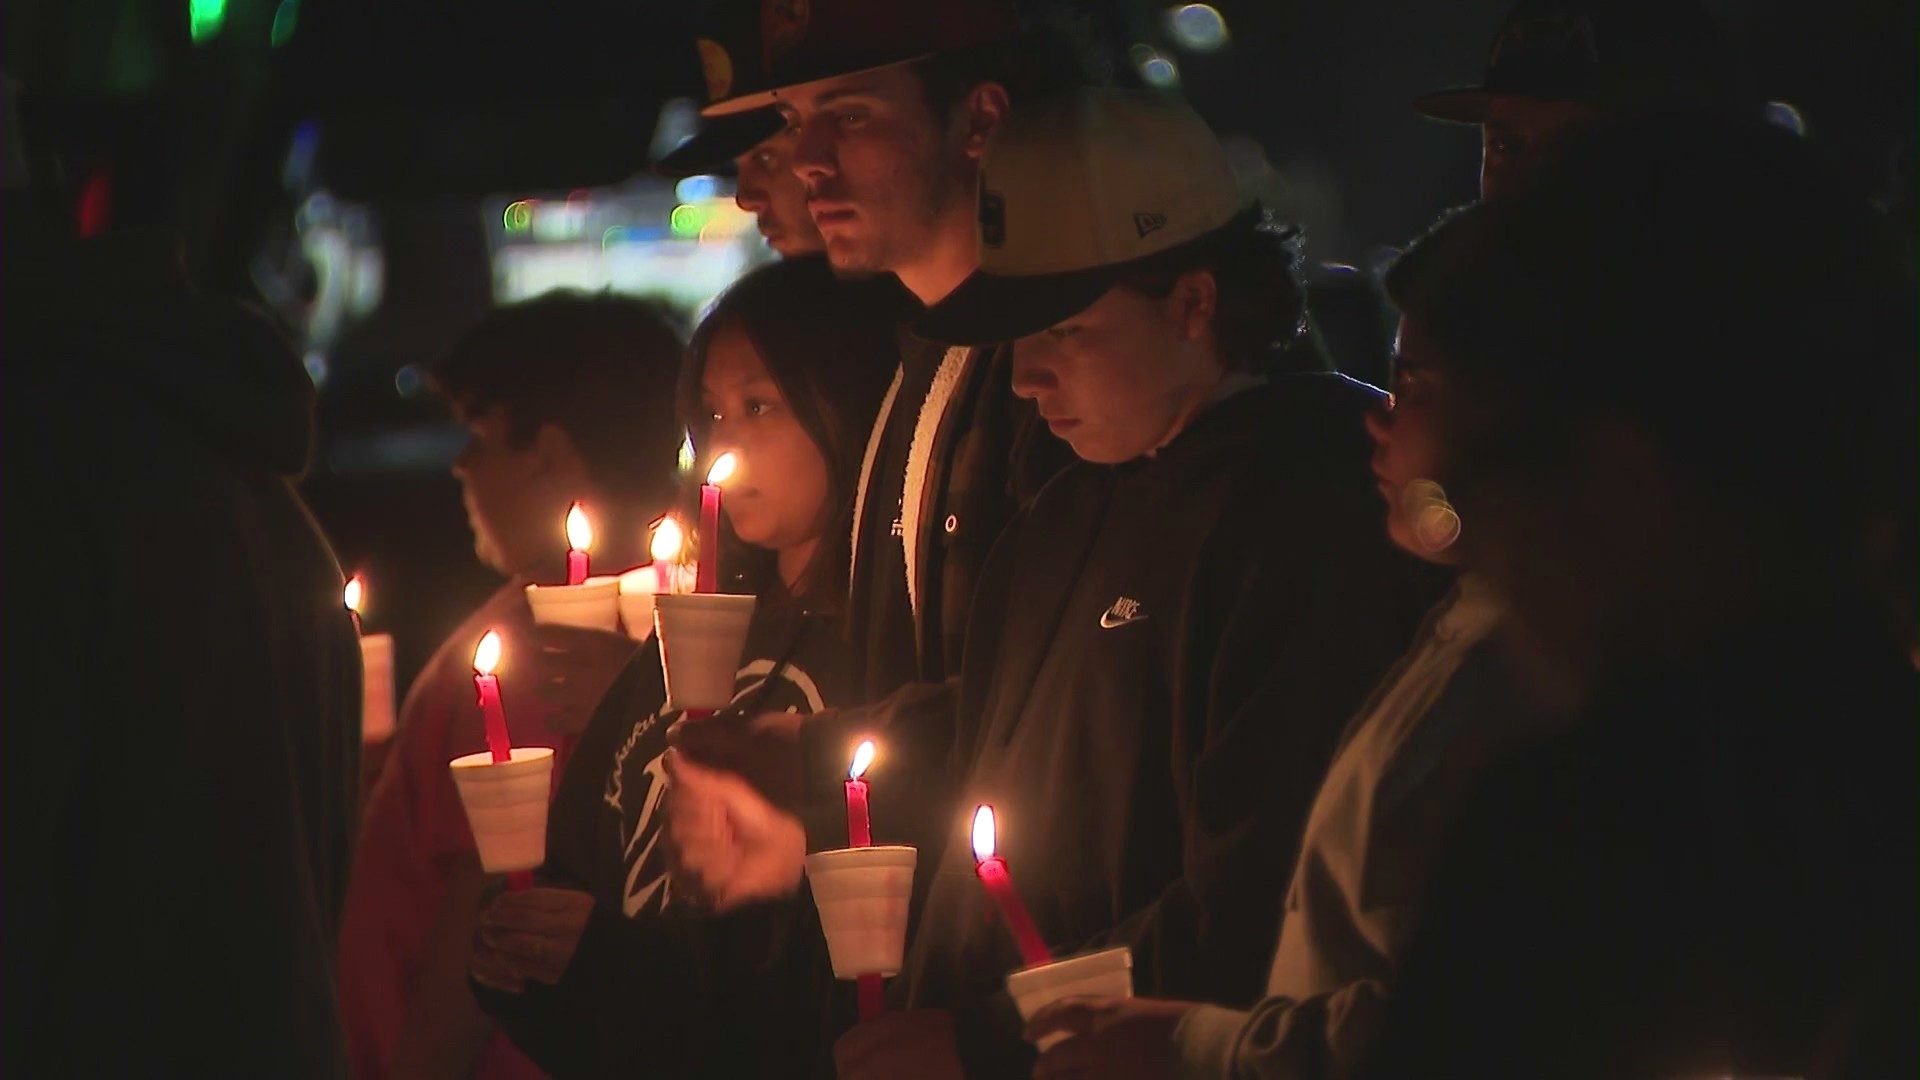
x=1546 y=713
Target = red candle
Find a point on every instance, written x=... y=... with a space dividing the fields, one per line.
x=485 y=659
x=579 y=539
x=992 y=870
x=707 y=580
x=859 y=824
x=665 y=548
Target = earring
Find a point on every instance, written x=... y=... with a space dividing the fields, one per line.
x=1435 y=523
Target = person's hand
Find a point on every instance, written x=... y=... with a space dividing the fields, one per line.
x=531 y=934
x=917 y=1043
x=1124 y=1038
x=728 y=844
x=572 y=670
x=763 y=750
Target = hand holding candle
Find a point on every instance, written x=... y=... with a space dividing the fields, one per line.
x=579 y=540
x=992 y=870
x=708 y=579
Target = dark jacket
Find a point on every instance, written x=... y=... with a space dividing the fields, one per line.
x=988 y=454
x=1711 y=874
x=183 y=684
x=658 y=987
x=1160 y=658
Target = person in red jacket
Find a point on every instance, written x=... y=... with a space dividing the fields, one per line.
x=566 y=398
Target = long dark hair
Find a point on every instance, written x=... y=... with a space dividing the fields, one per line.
x=831 y=345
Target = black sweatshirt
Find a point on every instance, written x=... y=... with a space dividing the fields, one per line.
x=656 y=988
x=1160 y=658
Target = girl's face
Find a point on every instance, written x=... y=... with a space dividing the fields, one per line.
x=1409 y=457
x=777 y=498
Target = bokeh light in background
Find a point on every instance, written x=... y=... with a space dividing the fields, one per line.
x=205 y=18
x=1155 y=68
x=1197 y=27
x=1784 y=115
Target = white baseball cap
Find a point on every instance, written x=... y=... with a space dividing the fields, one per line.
x=1075 y=191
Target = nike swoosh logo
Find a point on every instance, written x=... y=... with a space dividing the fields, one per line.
x=1124 y=610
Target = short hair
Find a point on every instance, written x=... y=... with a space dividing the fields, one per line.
x=1261 y=307
x=598 y=366
x=1717 y=284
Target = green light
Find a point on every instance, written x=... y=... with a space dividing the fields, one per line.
x=204 y=18
x=688 y=219
x=284 y=18
x=519 y=216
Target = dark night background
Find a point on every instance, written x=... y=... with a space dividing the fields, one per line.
x=415 y=122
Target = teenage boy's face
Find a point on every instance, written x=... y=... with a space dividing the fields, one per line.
x=1119 y=379
x=513 y=507
x=882 y=174
x=777 y=498
x=1409 y=450
x=768 y=189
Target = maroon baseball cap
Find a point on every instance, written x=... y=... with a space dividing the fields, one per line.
x=806 y=41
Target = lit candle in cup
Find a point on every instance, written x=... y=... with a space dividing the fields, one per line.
x=708 y=578
x=579 y=539
x=668 y=542
x=376 y=669
x=992 y=870
x=486 y=657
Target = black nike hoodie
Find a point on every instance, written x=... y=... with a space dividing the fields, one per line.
x=1159 y=661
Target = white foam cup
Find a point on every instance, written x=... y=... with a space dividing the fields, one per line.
x=702 y=636
x=594 y=605
x=506 y=806
x=636 y=603
x=1107 y=973
x=862 y=895
x=376 y=699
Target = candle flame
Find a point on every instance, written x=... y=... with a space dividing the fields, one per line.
x=487 y=656
x=723 y=467
x=352 y=594
x=668 y=541
x=579 y=529
x=862 y=757
x=983 y=833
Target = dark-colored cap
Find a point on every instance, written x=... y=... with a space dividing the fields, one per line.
x=1608 y=52
x=795 y=42
x=1074 y=192
x=719 y=141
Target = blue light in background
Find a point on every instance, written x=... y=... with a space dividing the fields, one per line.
x=1198 y=27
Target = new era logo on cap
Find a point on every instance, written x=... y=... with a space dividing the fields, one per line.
x=1146 y=223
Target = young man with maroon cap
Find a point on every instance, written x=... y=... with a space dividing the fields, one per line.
x=1167 y=641
x=1561 y=66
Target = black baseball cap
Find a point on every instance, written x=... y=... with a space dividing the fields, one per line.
x=1608 y=52
x=733 y=65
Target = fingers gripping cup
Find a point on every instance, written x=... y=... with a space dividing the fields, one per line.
x=1107 y=973
x=506 y=805
x=702 y=636
x=862 y=894
x=593 y=605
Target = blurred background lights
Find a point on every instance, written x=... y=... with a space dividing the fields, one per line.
x=204 y=19
x=1197 y=27
x=519 y=216
x=697 y=188
x=285 y=18
x=1154 y=68
x=1784 y=115
x=408 y=382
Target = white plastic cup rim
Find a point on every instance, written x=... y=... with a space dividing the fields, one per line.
x=714 y=602
x=595 y=590
x=521 y=760
x=862 y=858
x=1038 y=978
